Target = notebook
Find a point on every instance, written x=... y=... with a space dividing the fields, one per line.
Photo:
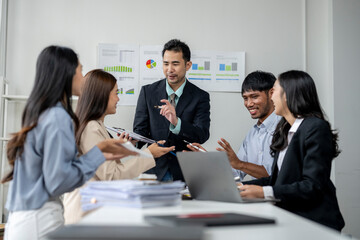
x=127 y=233
x=209 y=177
x=207 y=219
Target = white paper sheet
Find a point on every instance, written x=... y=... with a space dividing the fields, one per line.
x=122 y=61
x=217 y=71
x=150 y=64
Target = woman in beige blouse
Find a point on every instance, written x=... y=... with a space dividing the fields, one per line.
x=98 y=99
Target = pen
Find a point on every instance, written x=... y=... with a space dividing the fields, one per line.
x=121 y=129
x=162 y=145
x=159 y=107
x=196 y=147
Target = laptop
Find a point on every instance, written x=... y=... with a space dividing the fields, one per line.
x=209 y=177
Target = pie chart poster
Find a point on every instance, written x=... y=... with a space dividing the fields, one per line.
x=150 y=64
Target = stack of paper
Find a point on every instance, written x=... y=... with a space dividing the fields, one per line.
x=131 y=193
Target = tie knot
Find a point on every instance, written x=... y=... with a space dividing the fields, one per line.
x=172 y=99
x=172 y=96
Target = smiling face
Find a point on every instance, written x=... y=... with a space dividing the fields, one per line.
x=279 y=100
x=258 y=104
x=113 y=100
x=174 y=68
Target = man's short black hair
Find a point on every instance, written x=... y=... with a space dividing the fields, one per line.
x=258 y=81
x=177 y=46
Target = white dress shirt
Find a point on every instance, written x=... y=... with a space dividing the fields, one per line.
x=268 y=190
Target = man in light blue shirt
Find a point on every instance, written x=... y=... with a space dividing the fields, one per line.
x=254 y=156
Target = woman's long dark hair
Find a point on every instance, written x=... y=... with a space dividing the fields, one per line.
x=94 y=99
x=302 y=101
x=55 y=69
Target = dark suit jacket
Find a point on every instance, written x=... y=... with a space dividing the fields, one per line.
x=193 y=108
x=303 y=184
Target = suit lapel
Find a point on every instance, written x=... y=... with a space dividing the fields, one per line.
x=185 y=99
x=103 y=130
x=274 y=170
x=162 y=94
x=287 y=165
x=161 y=91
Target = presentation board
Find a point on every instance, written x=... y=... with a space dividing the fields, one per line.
x=134 y=66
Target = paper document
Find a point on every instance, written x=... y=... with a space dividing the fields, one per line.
x=141 y=153
x=122 y=61
x=146 y=176
x=133 y=135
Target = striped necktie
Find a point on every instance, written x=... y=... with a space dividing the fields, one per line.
x=172 y=99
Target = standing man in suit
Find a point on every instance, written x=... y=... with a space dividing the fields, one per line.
x=173 y=109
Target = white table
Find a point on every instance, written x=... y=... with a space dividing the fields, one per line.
x=288 y=225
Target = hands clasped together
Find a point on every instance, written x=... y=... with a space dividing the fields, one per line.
x=251 y=191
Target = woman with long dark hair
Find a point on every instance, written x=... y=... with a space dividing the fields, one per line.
x=43 y=154
x=303 y=146
x=98 y=99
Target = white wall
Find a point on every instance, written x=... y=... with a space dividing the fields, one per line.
x=346 y=30
x=319 y=51
x=270 y=32
x=276 y=35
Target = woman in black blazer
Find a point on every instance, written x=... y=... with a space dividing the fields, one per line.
x=303 y=146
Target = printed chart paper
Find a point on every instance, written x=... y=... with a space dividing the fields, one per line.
x=217 y=71
x=150 y=64
x=135 y=66
x=122 y=61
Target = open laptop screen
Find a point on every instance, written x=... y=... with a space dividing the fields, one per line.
x=209 y=176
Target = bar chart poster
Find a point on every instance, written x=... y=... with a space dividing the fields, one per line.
x=229 y=71
x=150 y=64
x=122 y=62
x=217 y=71
x=200 y=72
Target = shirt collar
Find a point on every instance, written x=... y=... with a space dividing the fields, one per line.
x=296 y=125
x=269 y=122
x=178 y=92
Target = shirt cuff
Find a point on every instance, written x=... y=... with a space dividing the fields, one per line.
x=176 y=130
x=268 y=192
